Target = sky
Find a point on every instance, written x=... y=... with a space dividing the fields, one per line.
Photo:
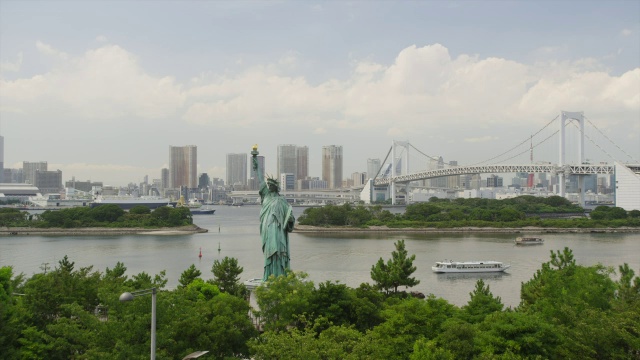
x=101 y=89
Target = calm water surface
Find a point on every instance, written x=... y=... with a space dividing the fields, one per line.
x=344 y=258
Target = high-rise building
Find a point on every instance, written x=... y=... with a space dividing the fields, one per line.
x=183 y=166
x=302 y=156
x=164 y=178
x=203 y=181
x=332 y=166
x=373 y=167
x=29 y=170
x=287 y=159
x=237 y=170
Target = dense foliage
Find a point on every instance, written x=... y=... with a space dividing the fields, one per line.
x=518 y=212
x=108 y=215
x=567 y=311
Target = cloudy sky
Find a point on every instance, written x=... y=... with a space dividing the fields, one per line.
x=100 y=89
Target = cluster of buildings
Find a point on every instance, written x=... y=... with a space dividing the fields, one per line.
x=181 y=178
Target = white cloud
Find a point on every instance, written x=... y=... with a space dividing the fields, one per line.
x=101 y=39
x=12 y=66
x=49 y=50
x=626 y=32
x=102 y=84
x=424 y=91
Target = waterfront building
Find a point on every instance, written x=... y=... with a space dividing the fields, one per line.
x=358 y=179
x=85 y=186
x=29 y=169
x=14 y=176
x=48 y=181
x=203 y=181
x=237 y=170
x=302 y=159
x=453 y=182
x=332 y=166
x=287 y=182
x=494 y=181
x=627 y=187
x=164 y=178
x=183 y=163
x=373 y=167
x=287 y=160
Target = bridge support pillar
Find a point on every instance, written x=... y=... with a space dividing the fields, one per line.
x=565 y=117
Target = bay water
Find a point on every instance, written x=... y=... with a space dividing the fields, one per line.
x=345 y=258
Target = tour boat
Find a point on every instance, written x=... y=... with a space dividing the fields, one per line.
x=528 y=241
x=450 y=266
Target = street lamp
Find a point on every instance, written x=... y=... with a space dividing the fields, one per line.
x=128 y=296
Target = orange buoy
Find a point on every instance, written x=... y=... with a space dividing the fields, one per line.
x=200 y=255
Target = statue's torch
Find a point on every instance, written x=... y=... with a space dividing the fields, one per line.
x=254 y=151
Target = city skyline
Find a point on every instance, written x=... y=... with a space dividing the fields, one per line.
x=102 y=96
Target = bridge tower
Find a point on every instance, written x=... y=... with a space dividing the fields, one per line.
x=401 y=159
x=566 y=117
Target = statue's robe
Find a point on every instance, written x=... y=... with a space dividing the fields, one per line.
x=276 y=221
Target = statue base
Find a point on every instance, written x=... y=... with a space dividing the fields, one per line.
x=252 y=285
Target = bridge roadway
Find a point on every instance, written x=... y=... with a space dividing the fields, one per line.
x=500 y=169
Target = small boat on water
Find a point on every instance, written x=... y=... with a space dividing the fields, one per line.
x=528 y=241
x=450 y=266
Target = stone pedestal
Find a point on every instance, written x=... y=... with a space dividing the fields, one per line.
x=252 y=285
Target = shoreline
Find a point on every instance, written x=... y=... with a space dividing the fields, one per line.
x=182 y=230
x=306 y=229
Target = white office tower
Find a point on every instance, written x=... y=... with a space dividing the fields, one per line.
x=373 y=166
x=332 y=166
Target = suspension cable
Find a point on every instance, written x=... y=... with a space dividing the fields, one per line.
x=593 y=142
x=513 y=148
x=527 y=150
x=611 y=141
x=383 y=162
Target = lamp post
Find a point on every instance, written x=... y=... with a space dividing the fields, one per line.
x=128 y=296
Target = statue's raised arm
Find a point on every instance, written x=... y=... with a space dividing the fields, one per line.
x=256 y=168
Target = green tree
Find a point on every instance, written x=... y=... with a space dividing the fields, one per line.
x=283 y=299
x=189 y=275
x=227 y=276
x=140 y=210
x=481 y=304
x=396 y=272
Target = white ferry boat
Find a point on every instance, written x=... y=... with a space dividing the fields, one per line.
x=450 y=266
x=529 y=241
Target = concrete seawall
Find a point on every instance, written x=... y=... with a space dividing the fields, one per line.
x=183 y=230
x=528 y=230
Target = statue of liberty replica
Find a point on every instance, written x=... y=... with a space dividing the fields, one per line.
x=276 y=222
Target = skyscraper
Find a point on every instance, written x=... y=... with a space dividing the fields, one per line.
x=237 y=169
x=287 y=160
x=302 y=156
x=183 y=163
x=373 y=166
x=164 y=178
x=332 y=166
